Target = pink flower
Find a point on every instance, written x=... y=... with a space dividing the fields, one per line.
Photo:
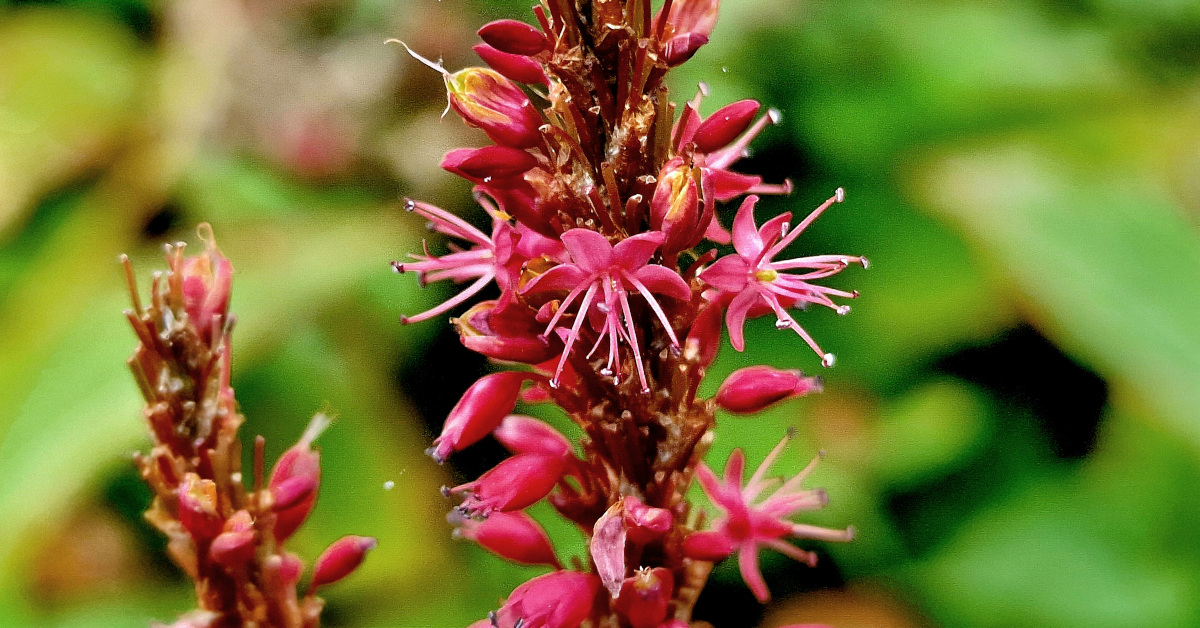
x=512 y=535
x=340 y=559
x=759 y=284
x=755 y=388
x=722 y=139
x=296 y=477
x=749 y=523
x=645 y=596
x=479 y=262
x=598 y=269
x=478 y=412
x=527 y=435
x=207 y=282
x=514 y=484
x=560 y=599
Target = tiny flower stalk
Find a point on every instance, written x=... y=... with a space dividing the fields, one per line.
x=228 y=537
x=606 y=250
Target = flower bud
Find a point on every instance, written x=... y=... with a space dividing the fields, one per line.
x=691 y=16
x=527 y=435
x=560 y=599
x=645 y=523
x=512 y=535
x=513 y=37
x=295 y=479
x=514 y=484
x=495 y=164
x=755 y=388
x=707 y=545
x=480 y=411
x=679 y=49
x=645 y=595
x=519 y=68
x=484 y=98
x=675 y=206
x=506 y=334
x=724 y=125
x=235 y=546
x=340 y=559
x=207 y=281
x=198 y=507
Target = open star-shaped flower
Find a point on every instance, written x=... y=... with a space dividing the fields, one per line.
x=749 y=523
x=601 y=277
x=755 y=283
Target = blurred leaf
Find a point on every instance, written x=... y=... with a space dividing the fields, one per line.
x=927 y=432
x=1059 y=553
x=1105 y=256
x=69 y=82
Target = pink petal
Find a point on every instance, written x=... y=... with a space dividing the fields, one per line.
x=708 y=482
x=662 y=280
x=735 y=317
x=728 y=185
x=728 y=274
x=745 y=236
x=772 y=230
x=561 y=277
x=733 y=470
x=607 y=548
x=633 y=252
x=748 y=564
x=589 y=250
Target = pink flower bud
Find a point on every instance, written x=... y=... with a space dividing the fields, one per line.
x=675 y=206
x=754 y=388
x=340 y=559
x=484 y=98
x=691 y=16
x=296 y=478
x=560 y=599
x=645 y=595
x=236 y=545
x=233 y=549
x=519 y=68
x=294 y=490
x=289 y=568
x=679 y=49
x=607 y=548
x=527 y=435
x=645 y=523
x=510 y=334
x=207 y=282
x=513 y=37
x=198 y=507
x=512 y=535
x=708 y=545
x=480 y=411
x=490 y=163
x=724 y=125
x=514 y=484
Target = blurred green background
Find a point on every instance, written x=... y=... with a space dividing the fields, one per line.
x=1013 y=423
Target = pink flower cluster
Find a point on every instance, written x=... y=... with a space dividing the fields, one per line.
x=601 y=201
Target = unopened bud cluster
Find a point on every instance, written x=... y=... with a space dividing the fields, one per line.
x=602 y=197
x=229 y=540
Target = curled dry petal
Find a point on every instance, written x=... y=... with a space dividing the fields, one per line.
x=607 y=548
